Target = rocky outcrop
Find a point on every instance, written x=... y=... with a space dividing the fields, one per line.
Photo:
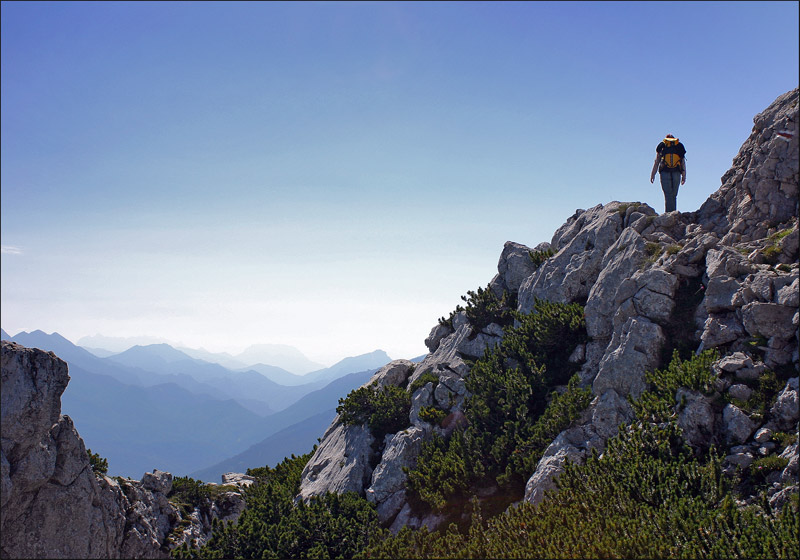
x=343 y=459
x=760 y=189
x=53 y=504
x=741 y=244
x=723 y=277
x=46 y=470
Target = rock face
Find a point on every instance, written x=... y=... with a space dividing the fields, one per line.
x=45 y=468
x=727 y=273
x=52 y=503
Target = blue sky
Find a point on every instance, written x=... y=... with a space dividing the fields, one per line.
x=334 y=176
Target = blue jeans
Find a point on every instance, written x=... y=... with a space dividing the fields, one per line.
x=670 y=181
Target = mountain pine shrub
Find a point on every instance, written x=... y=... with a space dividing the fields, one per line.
x=647 y=496
x=510 y=420
x=99 y=464
x=273 y=526
x=432 y=415
x=423 y=380
x=384 y=410
x=658 y=403
x=484 y=308
x=538 y=257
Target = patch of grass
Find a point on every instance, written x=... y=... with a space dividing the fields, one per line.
x=778 y=235
x=653 y=250
x=761 y=468
x=784 y=439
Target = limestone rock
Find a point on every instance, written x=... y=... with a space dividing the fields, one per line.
x=53 y=505
x=515 y=265
x=696 y=418
x=635 y=350
x=721 y=329
x=393 y=373
x=581 y=244
x=341 y=462
x=614 y=284
x=763 y=435
x=785 y=409
x=740 y=391
x=737 y=425
x=435 y=337
x=609 y=411
x=762 y=185
x=240 y=480
x=388 y=478
x=550 y=467
x=768 y=320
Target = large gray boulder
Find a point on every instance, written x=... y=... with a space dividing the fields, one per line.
x=633 y=351
x=388 y=479
x=341 y=462
x=581 y=244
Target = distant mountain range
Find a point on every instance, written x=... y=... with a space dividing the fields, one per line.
x=157 y=406
x=295 y=430
x=283 y=356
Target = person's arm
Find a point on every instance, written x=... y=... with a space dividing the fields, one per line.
x=655 y=167
x=683 y=170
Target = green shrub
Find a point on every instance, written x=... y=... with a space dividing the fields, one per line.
x=442 y=471
x=648 y=496
x=384 y=410
x=783 y=438
x=658 y=403
x=547 y=336
x=432 y=414
x=509 y=419
x=274 y=526
x=99 y=464
x=423 y=380
x=484 y=308
x=763 y=466
x=765 y=391
x=673 y=249
x=538 y=257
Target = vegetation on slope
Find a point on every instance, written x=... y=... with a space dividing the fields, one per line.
x=274 y=526
x=648 y=495
x=513 y=412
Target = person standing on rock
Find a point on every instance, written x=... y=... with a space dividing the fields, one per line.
x=671 y=165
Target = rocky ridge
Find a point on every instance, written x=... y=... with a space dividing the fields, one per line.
x=729 y=270
x=55 y=506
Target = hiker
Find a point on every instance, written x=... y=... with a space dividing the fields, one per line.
x=671 y=165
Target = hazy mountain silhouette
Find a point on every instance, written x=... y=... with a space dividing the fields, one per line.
x=149 y=396
x=292 y=431
x=139 y=428
x=281 y=355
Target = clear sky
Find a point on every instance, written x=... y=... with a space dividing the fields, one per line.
x=334 y=176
